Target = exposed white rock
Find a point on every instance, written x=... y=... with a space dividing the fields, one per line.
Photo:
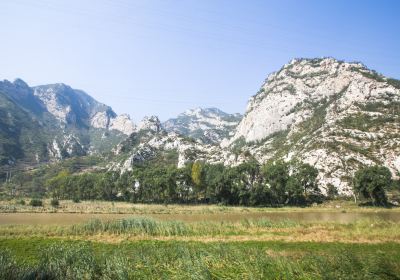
x=151 y=123
x=209 y=125
x=71 y=106
x=50 y=99
x=123 y=123
x=100 y=120
x=335 y=115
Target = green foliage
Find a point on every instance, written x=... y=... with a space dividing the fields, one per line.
x=371 y=74
x=197 y=169
x=238 y=145
x=21 y=202
x=135 y=226
x=371 y=183
x=394 y=82
x=21 y=136
x=332 y=192
x=245 y=184
x=55 y=203
x=366 y=122
x=36 y=203
x=198 y=260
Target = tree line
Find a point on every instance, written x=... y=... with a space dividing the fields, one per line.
x=249 y=183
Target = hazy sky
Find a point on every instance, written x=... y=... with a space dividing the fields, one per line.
x=162 y=57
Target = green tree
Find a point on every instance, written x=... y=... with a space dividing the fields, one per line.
x=197 y=172
x=276 y=176
x=371 y=182
x=58 y=185
x=198 y=179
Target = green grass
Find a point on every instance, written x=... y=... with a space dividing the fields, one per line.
x=141 y=228
x=195 y=260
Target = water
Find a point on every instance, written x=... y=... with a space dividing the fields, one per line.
x=314 y=216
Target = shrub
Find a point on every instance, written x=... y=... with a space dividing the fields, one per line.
x=21 y=202
x=372 y=182
x=55 y=203
x=331 y=191
x=36 y=203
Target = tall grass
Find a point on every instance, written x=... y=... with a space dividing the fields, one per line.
x=135 y=226
x=171 y=260
x=152 y=227
x=367 y=230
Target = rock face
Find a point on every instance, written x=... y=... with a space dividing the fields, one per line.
x=209 y=125
x=334 y=115
x=71 y=106
x=152 y=143
x=151 y=123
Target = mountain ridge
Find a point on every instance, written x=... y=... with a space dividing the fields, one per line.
x=208 y=125
x=337 y=116
x=67 y=122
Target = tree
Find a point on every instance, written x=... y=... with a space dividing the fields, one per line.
x=58 y=185
x=276 y=176
x=197 y=169
x=371 y=182
x=307 y=176
x=197 y=177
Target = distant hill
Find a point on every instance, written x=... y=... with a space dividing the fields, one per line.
x=209 y=125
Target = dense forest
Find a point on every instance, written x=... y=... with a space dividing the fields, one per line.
x=249 y=184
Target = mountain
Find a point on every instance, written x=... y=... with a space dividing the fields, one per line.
x=335 y=115
x=151 y=143
x=209 y=125
x=77 y=108
x=44 y=123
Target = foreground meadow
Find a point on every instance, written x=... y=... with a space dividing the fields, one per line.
x=158 y=242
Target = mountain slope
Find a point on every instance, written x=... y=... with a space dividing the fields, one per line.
x=334 y=115
x=21 y=137
x=53 y=122
x=209 y=125
x=152 y=143
x=75 y=107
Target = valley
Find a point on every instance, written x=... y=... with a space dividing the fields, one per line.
x=303 y=185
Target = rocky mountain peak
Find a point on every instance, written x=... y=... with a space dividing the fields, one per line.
x=286 y=96
x=329 y=113
x=20 y=83
x=151 y=123
x=209 y=125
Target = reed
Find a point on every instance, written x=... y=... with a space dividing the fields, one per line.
x=183 y=260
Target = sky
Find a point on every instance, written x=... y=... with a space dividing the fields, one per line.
x=161 y=57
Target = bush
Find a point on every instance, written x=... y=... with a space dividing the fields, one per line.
x=332 y=191
x=21 y=202
x=76 y=200
x=55 y=203
x=36 y=203
x=372 y=182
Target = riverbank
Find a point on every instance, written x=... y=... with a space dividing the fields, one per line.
x=118 y=207
x=335 y=240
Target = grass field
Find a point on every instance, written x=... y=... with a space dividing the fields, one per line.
x=142 y=247
x=118 y=207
